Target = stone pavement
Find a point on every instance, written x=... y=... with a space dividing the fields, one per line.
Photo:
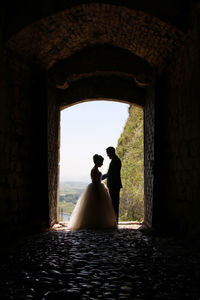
x=109 y=264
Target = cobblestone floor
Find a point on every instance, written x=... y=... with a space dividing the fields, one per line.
x=112 y=264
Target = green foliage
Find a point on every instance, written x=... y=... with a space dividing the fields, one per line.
x=67 y=207
x=69 y=197
x=69 y=193
x=130 y=149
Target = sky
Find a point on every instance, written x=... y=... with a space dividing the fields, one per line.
x=87 y=129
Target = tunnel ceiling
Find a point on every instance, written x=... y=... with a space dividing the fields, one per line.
x=110 y=87
x=23 y=13
x=59 y=36
x=100 y=60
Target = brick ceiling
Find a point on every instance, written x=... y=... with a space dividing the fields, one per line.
x=59 y=36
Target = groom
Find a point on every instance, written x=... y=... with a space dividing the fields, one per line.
x=113 y=179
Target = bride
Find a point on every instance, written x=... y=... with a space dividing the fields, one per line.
x=94 y=208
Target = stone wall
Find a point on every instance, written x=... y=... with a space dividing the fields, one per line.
x=15 y=145
x=180 y=111
x=21 y=150
x=53 y=153
x=149 y=140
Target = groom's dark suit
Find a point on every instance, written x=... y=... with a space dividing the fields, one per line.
x=114 y=182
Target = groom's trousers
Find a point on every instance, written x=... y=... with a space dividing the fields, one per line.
x=114 y=194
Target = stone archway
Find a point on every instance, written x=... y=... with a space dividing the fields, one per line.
x=96 y=88
x=59 y=36
x=57 y=42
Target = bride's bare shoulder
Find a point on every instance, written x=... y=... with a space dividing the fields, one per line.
x=93 y=170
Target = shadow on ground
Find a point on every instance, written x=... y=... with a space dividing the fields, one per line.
x=101 y=264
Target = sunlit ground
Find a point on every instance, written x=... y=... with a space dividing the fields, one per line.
x=62 y=226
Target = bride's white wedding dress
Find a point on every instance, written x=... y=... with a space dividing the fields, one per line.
x=94 y=208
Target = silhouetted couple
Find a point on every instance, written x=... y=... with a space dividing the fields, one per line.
x=98 y=208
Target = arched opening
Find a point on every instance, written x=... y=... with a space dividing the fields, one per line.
x=66 y=89
x=89 y=128
x=92 y=87
x=96 y=61
x=64 y=53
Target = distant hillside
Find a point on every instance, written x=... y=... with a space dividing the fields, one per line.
x=69 y=193
x=130 y=150
x=66 y=185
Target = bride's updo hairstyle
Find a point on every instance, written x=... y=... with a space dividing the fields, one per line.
x=97 y=159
